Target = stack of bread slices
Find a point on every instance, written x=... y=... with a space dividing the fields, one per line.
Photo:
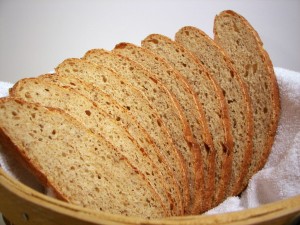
x=168 y=128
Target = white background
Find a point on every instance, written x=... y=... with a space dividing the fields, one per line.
x=36 y=35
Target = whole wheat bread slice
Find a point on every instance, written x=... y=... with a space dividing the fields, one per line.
x=192 y=108
x=82 y=168
x=99 y=122
x=135 y=102
x=236 y=94
x=126 y=120
x=243 y=45
x=212 y=99
x=163 y=101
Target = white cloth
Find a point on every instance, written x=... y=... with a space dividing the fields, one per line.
x=279 y=179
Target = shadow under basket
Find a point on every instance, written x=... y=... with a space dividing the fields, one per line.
x=20 y=204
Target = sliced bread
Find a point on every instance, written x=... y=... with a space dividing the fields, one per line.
x=164 y=102
x=135 y=102
x=243 y=45
x=192 y=108
x=236 y=94
x=124 y=119
x=99 y=122
x=83 y=168
x=212 y=99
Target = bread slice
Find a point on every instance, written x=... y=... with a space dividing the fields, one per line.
x=99 y=122
x=236 y=94
x=193 y=111
x=243 y=45
x=128 y=122
x=163 y=101
x=82 y=167
x=211 y=98
x=133 y=100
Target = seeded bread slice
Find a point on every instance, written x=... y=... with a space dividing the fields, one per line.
x=135 y=102
x=193 y=111
x=242 y=43
x=99 y=122
x=128 y=122
x=163 y=101
x=83 y=168
x=236 y=94
x=211 y=98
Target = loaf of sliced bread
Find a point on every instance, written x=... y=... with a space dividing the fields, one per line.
x=192 y=108
x=212 y=99
x=134 y=101
x=83 y=168
x=245 y=49
x=236 y=94
x=163 y=101
x=91 y=116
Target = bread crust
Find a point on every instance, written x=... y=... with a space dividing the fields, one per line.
x=153 y=89
x=126 y=120
x=137 y=156
x=274 y=85
x=202 y=37
x=152 y=62
x=223 y=107
x=34 y=167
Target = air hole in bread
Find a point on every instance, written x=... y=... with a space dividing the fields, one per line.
x=187 y=33
x=88 y=112
x=27 y=95
x=159 y=122
x=224 y=92
x=224 y=148
x=207 y=148
x=104 y=79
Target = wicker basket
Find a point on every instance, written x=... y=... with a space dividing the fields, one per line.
x=23 y=205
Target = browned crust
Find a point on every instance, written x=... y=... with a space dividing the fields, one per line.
x=9 y=144
x=275 y=97
x=226 y=173
x=236 y=187
x=200 y=191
